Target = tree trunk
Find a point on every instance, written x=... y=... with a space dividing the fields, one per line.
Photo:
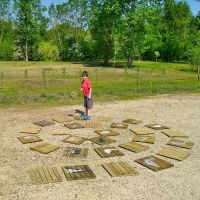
x=198 y=72
x=108 y=46
x=129 y=61
x=26 y=51
x=106 y=60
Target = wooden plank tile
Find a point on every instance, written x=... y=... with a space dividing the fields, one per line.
x=38 y=177
x=142 y=131
x=132 y=121
x=181 y=143
x=88 y=171
x=61 y=131
x=93 y=124
x=128 y=168
x=122 y=171
x=154 y=163
x=56 y=172
x=104 y=119
x=157 y=126
x=74 y=140
x=106 y=152
x=29 y=139
x=108 y=167
x=74 y=125
x=78 y=172
x=29 y=130
x=76 y=152
x=119 y=125
x=132 y=146
x=44 y=148
x=119 y=169
x=67 y=174
x=173 y=154
x=101 y=140
x=47 y=174
x=174 y=133
x=44 y=175
x=144 y=138
x=62 y=119
x=33 y=177
x=44 y=123
x=107 y=132
x=51 y=172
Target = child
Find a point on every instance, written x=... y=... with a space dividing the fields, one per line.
x=87 y=91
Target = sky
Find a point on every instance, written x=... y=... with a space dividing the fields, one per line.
x=194 y=5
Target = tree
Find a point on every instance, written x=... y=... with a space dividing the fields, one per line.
x=103 y=18
x=138 y=31
x=175 y=29
x=47 y=51
x=28 y=18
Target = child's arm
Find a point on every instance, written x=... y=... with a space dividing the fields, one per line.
x=89 y=96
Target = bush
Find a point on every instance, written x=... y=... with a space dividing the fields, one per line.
x=47 y=51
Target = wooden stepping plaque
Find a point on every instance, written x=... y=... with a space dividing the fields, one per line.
x=105 y=119
x=74 y=126
x=93 y=124
x=132 y=121
x=154 y=163
x=180 y=143
x=142 y=131
x=76 y=152
x=171 y=133
x=44 y=148
x=29 y=139
x=157 y=126
x=61 y=131
x=173 y=154
x=135 y=147
x=144 y=139
x=79 y=117
x=78 y=172
x=62 y=119
x=119 y=169
x=106 y=152
x=44 y=175
x=75 y=140
x=102 y=140
x=119 y=125
x=44 y=123
x=31 y=130
x=107 y=132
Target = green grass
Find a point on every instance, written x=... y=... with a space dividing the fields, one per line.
x=24 y=83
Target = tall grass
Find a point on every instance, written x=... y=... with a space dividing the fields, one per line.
x=53 y=83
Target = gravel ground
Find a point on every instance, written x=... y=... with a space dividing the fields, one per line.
x=179 y=112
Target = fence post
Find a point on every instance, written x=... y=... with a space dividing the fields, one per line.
x=138 y=77
x=44 y=77
x=25 y=73
x=2 y=77
x=151 y=78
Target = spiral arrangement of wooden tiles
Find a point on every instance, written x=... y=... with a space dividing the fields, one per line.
x=105 y=127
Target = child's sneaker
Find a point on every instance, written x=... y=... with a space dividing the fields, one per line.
x=86 y=117
x=83 y=114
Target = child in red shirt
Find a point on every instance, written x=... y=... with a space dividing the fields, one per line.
x=87 y=91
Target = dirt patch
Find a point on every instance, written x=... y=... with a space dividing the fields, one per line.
x=179 y=112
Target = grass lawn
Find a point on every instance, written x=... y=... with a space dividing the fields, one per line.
x=53 y=83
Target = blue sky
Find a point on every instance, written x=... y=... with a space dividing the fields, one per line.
x=194 y=5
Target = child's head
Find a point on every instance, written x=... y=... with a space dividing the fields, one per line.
x=84 y=75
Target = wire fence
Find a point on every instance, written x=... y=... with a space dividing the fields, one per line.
x=60 y=83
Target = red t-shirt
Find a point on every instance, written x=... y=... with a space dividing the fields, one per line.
x=86 y=85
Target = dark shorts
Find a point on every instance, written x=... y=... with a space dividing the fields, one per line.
x=88 y=103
